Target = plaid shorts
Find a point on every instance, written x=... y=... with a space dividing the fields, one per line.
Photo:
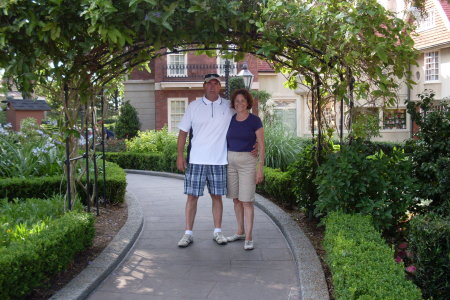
x=215 y=176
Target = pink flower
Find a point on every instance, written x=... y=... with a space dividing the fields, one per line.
x=403 y=246
x=410 y=269
x=398 y=259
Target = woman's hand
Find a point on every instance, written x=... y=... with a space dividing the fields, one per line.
x=259 y=175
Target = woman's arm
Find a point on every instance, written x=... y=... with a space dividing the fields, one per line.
x=261 y=157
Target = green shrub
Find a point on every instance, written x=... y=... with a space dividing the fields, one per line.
x=236 y=83
x=429 y=241
x=278 y=186
x=152 y=141
x=20 y=218
x=303 y=172
x=145 y=161
x=281 y=146
x=128 y=123
x=361 y=264
x=379 y=185
x=26 y=264
x=45 y=187
x=430 y=152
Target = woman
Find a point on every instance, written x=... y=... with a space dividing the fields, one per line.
x=244 y=169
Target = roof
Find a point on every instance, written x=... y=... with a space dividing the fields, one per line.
x=264 y=66
x=28 y=104
x=438 y=35
x=445 y=7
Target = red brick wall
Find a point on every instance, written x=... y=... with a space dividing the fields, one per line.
x=15 y=117
x=158 y=66
x=158 y=70
x=161 y=102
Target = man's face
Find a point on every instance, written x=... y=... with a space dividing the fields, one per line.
x=212 y=89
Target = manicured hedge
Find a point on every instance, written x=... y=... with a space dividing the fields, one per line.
x=278 y=186
x=429 y=241
x=26 y=264
x=144 y=161
x=361 y=263
x=45 y=187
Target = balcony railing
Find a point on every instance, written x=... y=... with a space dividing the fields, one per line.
x=196 y=72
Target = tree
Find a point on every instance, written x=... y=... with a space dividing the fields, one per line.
x=343 y=49
x=128 y=123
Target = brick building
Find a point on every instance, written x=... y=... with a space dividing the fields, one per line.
x=162 y=95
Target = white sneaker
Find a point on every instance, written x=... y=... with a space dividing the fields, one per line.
x=185 y=241
x=219 y=238
x=235 y=237
x=248 y=245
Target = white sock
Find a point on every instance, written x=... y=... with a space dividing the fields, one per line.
x=188 y=232
x=217 y=230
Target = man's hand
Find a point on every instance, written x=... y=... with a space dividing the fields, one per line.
x=181 y=141
x=181 y=163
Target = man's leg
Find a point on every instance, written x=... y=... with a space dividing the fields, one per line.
x=217 y=210
x=194 y=183
x=191 y=211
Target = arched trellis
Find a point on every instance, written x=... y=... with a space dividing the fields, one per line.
x=339 y=47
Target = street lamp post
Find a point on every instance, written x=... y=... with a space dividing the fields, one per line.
x=246 y=75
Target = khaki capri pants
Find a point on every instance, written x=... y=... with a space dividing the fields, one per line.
x=241 y=176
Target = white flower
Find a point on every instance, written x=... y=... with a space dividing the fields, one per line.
x=7 y=125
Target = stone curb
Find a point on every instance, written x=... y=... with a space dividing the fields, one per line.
x=85 y=282
x=311 y=277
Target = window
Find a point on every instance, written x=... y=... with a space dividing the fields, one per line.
x=394 y=119
x=221 y=66
x=177 y=107
x=285 y=111
x=426 y=22
x=176 y=65
x=432 y=66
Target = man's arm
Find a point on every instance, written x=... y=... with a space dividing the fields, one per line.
x=181 y=142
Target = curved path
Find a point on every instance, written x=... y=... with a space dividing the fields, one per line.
x=155 y=268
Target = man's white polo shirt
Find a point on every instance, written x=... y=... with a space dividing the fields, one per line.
x=209 y=122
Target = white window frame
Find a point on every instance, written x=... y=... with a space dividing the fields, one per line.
x=177 y=72
x=221 y=66
x=432 y=67
x=169 y=110
x=289 y=104
x=383 y=115
x=426 y=22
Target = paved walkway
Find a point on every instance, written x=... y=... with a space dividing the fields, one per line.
x=156 y=268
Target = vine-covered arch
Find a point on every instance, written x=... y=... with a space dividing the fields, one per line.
x=342 y=49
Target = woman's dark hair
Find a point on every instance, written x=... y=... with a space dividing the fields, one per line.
x=246 y=95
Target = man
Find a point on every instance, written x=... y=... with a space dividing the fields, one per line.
x=208 y=118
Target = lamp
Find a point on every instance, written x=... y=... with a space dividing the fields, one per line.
x=246 y=75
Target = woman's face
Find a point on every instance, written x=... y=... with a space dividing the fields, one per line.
x=240 y=103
